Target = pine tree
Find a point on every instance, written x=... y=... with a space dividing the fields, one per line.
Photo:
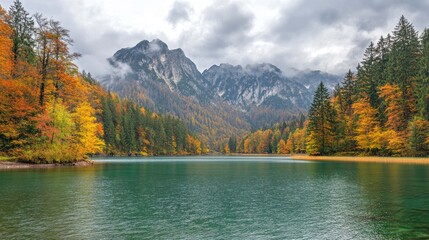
x=422 y=90
x=342 y=103
x=366 y=82
x=348 y=91
x=108 y=127
x=168 y=126
x=382 y=51
x=321 y=121
x=418 y=132
x=232 y=144
x=403 y=63
x=23 y=33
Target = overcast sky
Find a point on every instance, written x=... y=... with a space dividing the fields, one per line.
x=328 y=35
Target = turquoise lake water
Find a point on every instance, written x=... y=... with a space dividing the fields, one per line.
x=216 y=198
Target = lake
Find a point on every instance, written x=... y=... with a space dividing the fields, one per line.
x=216 y=198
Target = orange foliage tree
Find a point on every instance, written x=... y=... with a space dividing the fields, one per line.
x=368 y=130
x=6 y=43
x=396 y=120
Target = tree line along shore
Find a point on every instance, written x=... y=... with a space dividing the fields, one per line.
x=382 y=109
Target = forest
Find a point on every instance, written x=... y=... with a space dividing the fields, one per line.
x=382 y=109
x=50 y=111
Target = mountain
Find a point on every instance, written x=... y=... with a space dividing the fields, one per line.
x=222 y=101
x=153 y=61
x=257 y=85
x=264 y=92
x=168 y=82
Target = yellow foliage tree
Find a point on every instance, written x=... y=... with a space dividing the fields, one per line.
x=368 y=127
x=173 y=145
x=246 y=146
x=264 y=141
x=281 y=147
x=290 y=144
x=87 y=130
x=299 y=140
x=55 y=142
x=312 y=147
x=193 y=145
x=396 y=143
x=226 y=149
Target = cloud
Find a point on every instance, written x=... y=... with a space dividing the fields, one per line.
x=223 y=30
x=179 y=13
x=331 y=35
x=328 y=35
x=224 y=26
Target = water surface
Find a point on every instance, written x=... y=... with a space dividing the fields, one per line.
x=216 y=198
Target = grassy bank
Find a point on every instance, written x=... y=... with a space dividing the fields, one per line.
x=404 y=160
x=5 y=158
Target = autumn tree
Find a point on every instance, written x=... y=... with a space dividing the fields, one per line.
x=6 y=45
x=16 y=108
x=300 y=136
x=281 y=147
x=392 y=95
x=368 y=129
x=290 y=143
x=193 y=145
x=55 y=140
x=16 y=116
x=87 y=131
x=226 y=149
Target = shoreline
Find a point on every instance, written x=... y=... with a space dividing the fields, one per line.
x=369 y=159
x=10 y=164
x=22 y=165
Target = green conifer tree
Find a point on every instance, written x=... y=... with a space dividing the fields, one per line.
x=321 y=123
x=402 y=68
x=422 y=89
x=23 y=32
x=108 y=127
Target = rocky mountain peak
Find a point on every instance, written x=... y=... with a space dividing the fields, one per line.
x=153 y=46
x=154 y=61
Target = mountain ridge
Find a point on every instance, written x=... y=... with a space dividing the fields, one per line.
x=221 y=101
